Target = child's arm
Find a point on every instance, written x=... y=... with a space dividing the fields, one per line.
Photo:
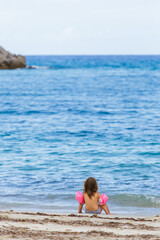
x=80 y=208
x=106 y=209
x=104 y=206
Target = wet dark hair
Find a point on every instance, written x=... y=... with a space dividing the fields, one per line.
x=90 y=186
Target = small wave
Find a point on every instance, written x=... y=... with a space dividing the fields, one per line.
x=30 y=112
x=134 y=200
x=149 y=153
x=104 y=112
x=37 y=67
x=8 y=112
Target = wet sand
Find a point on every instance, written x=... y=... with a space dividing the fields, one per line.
x=28 y=226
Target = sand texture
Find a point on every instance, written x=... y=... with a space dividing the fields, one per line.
x=28 y=226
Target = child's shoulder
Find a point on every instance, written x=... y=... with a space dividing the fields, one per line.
x=97 y=194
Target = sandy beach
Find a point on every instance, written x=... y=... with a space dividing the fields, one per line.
x=27 y=226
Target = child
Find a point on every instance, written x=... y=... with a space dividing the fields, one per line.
x=94 y=202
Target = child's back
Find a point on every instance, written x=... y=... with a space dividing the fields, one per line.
x=91 y=203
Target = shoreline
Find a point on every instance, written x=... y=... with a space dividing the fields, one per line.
x=39 y=225
x=115 y=209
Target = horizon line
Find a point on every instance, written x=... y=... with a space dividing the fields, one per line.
x=153 y=54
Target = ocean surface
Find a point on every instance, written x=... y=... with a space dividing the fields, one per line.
x=72 y=117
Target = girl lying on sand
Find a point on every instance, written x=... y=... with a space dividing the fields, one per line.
x=94 y=202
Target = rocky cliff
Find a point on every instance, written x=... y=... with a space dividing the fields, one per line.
x=11 y=61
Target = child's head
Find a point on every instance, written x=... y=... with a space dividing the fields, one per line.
x=90 y=186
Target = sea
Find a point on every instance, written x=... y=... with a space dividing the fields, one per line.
x=66 y=118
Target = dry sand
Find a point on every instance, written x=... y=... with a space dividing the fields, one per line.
x=28 y=226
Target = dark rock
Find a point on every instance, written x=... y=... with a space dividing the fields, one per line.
x=11 y=61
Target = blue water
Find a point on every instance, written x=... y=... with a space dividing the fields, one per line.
x=78 y=116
